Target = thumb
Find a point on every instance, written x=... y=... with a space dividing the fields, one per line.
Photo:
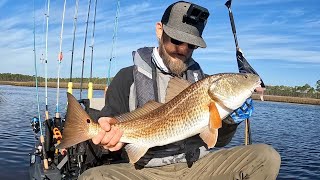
x=106 y=122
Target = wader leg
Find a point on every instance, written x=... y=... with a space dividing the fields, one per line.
x=256 y=162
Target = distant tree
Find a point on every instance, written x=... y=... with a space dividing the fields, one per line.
x=318 y=86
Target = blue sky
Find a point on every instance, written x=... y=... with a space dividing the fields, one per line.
x=280 y=39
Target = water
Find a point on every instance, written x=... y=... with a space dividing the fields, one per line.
x=292 y=129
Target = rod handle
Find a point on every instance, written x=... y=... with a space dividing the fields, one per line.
x=90 y=90
x=70 y=87
x=45 y=160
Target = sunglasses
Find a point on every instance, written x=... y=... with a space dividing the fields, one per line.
x=177 y=42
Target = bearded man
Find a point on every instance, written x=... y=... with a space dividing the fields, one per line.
x=179 y=33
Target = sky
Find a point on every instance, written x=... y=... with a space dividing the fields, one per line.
x=280 y=39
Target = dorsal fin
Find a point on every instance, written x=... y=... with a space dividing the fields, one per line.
x=175 y=86
x=145 y=109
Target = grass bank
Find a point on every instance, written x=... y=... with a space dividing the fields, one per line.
x=287 y=99
x=53 y=84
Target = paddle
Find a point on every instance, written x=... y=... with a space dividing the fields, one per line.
x=243 y=66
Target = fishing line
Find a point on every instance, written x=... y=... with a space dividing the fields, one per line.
x=90 y=85
x=84 y=48
x=60 y=57
x=114 y=39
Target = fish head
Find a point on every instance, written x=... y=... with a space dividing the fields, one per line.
x=231 y=90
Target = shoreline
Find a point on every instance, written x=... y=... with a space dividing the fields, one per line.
x=287 y=99
x=53 y=84
x=273 y=98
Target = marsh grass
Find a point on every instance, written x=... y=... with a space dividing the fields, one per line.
x=53 y=84
x=288 y=99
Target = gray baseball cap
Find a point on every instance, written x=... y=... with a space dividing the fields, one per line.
x=185 y=21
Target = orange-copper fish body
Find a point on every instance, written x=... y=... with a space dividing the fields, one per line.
x=198 y=109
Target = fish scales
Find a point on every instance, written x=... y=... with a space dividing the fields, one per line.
x=185 y=113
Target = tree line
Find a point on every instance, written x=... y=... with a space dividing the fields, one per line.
x=27 y=78
x=297 y=91
x=305 y=91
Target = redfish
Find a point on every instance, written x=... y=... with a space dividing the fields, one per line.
x=190 y=109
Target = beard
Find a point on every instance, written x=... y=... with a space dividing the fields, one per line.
x=176 y=65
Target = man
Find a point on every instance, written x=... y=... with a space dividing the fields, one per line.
x=179 y=33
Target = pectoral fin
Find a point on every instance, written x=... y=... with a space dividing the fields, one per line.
x=135 y=152
x=209 y=137
x=215 y=119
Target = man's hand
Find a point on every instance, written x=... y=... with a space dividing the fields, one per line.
x=110 y=136
x=244 y=112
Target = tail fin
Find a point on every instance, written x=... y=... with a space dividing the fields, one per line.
x=76 y=128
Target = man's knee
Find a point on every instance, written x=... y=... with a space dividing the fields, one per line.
x=89 y=174
x=268 y=152
x=269 y=156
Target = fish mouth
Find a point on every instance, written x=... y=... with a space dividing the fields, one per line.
x=257 y=85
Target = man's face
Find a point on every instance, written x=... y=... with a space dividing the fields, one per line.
x=176 y=55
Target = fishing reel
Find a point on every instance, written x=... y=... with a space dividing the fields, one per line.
x=35 y=124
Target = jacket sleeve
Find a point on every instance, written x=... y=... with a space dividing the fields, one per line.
x=117 y=95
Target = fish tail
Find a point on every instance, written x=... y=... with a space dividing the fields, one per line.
x=76 y=128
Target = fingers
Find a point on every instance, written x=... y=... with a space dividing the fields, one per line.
x=109 y=136
x=106 y=122
x=117 y=147
x=97 y=139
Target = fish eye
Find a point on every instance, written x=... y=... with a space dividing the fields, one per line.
x=88 y=121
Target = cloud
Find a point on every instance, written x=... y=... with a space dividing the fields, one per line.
x=266 y=31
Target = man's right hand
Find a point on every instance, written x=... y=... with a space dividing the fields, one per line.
x=110 y=136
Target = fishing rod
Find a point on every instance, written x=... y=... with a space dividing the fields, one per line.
x=45 y=160
x=90 y=85
x=46 y=61
x=114 y=38
x=73 y=40
x=42 y=59
x=84 y=48
x=60 y=57
x=243 y=66
x=42 y=141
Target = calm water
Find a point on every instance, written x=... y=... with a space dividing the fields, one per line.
x=292 y=129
